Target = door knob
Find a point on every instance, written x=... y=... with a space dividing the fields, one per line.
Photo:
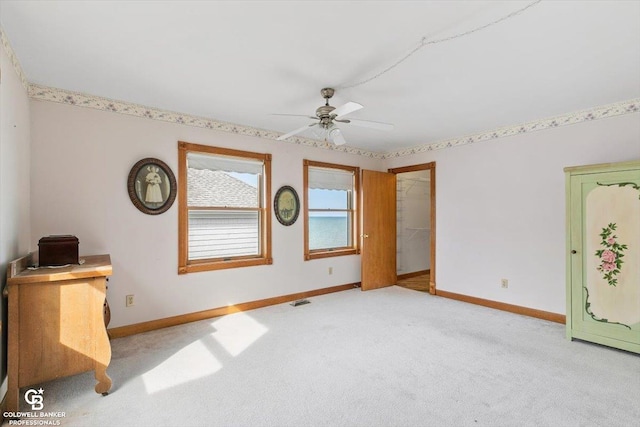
x=574 y=251
x=365 y=235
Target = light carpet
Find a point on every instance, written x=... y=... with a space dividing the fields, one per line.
x=389 y=357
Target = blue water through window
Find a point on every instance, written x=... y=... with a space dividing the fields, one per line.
x=328 y=231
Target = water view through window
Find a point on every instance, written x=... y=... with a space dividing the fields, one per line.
x=328 y=219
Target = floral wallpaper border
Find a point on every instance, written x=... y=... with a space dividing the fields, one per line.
x=602 y=112
x=13 y=58
x=45 y=93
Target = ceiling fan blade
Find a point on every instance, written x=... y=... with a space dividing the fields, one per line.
x=294 y=115
x=345 y=109
x=370 y=124
x=295 y=132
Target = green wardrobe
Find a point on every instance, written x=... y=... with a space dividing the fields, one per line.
x=603 y=254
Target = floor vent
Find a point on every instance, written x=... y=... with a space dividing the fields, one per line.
x=300 y=302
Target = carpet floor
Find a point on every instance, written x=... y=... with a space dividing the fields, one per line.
x=388 y=357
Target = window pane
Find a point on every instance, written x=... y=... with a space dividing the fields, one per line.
x=209 y=188
x=329 y=230
x=328 y=199
x=223 y=234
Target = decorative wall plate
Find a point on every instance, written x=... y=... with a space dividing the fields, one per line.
x=286 y=205
x=151 y=186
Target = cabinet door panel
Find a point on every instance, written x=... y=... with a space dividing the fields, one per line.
x=605 y=270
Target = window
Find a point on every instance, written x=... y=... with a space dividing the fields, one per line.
x=224 y=209
x=330 y=208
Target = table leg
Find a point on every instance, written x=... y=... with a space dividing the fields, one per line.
x=104 y=381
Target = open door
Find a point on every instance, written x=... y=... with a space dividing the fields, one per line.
x=378 y=241
x=431 y=167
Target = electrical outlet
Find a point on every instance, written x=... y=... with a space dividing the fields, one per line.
x=129 y=301
x=505 y=283
x=330 y=270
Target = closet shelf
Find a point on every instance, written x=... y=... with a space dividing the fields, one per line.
x=414 y=181
x=416 y=230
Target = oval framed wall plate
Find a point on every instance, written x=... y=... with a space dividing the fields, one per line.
x=286 y=205
x=152 y=186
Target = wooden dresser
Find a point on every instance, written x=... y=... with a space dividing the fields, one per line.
x=56 y=326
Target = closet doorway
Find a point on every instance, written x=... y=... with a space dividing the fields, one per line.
x=415 y=236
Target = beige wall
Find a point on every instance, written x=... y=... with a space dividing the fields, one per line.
x=14 y=179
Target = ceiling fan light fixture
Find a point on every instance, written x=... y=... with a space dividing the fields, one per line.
x=319 y=132
x=335 y=136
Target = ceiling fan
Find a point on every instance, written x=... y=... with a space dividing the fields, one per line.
x=326 y=115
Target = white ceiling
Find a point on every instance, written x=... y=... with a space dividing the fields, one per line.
x=240 y=61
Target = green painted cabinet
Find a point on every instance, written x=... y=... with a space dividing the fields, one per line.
x=603 y=254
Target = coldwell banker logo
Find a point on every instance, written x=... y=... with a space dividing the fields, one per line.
x=34 y=398
x=36 y=417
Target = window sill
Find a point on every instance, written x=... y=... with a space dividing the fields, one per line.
x=326 y=254
x=205 y=265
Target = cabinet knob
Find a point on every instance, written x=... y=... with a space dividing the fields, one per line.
x=573 y=251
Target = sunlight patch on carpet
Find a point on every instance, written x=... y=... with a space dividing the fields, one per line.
x=190 y=363
x=237 y=332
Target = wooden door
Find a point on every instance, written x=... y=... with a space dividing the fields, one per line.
x=378 y=230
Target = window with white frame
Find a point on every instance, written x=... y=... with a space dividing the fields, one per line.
x=224 y=216
x=330 y=206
